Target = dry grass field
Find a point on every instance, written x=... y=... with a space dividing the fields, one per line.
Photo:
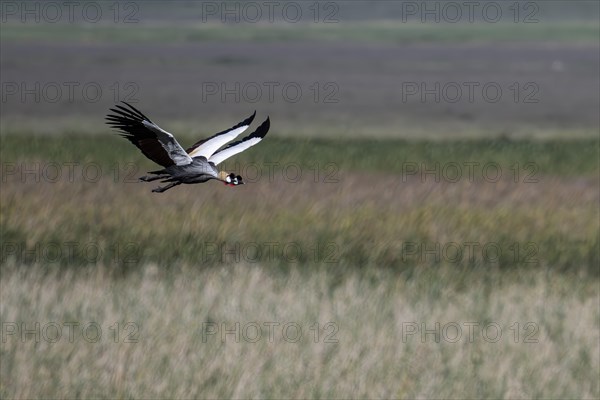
x=368 y=350
x=337 y=287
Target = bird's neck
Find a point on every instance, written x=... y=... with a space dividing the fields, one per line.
x=222 y=175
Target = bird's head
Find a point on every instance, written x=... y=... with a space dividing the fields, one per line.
x=230 y=179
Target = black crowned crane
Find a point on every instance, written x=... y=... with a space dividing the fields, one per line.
x=197 y=164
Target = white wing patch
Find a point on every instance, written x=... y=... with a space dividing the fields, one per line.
x=237 y=147
x=233 y=150
x=209 y=147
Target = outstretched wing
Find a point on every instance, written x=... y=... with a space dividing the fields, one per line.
x=207 y=147
x=156 y=144
x=241 y=145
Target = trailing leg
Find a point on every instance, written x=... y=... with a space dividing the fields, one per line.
x=149 y=178
x=165 y=188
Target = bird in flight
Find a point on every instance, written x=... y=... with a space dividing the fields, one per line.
x=197 y=164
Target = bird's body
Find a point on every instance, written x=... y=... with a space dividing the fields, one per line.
x=198 y=164
x=199 y=171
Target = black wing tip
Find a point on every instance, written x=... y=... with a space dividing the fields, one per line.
x=248 y=120
x=263 y=129
x=260 y=132
x=130 y=106
x=128 y=113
